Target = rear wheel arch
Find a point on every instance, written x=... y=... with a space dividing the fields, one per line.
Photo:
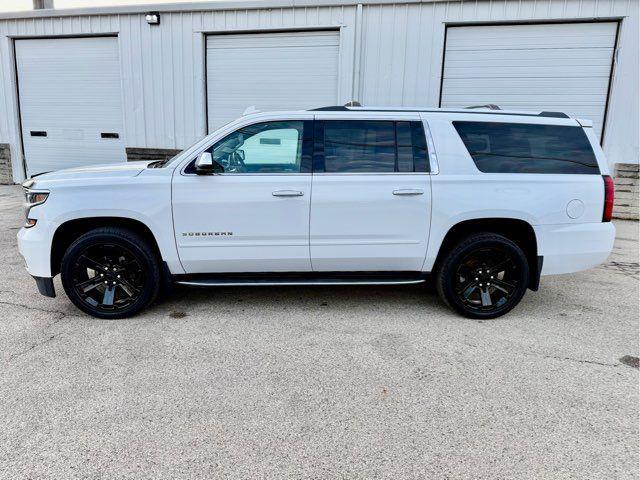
x=519 y=231
x=71 y=230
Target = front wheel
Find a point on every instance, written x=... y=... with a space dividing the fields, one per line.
x=484 y=276
x=110 y=273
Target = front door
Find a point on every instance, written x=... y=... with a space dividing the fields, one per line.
x=254 y=217
x=371 y=202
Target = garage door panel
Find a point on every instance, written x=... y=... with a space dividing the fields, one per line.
x=529 y=86
x=541 y=71
x=543 y=36
x=571 y=56
x=274 y=71
x=575 y=101
x=70 y=88
x=560 y=67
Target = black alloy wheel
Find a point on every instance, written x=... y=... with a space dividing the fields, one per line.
x=484 y=276
x=110 y=273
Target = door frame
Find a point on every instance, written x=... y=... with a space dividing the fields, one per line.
x=16 y=79
x=617 y=20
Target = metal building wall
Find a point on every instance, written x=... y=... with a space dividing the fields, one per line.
x=390 y=54
x=403 y=45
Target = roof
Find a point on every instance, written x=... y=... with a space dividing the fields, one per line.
x=197 y=6
x=480 y=110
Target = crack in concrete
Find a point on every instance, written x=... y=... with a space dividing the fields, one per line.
x=35 y=309
x=61 y=316
x=578 y=360
x=630 y=269
x=32 y=347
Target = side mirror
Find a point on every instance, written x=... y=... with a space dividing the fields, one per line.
x=206 y=165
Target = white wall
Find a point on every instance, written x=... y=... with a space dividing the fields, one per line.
x=389 y=55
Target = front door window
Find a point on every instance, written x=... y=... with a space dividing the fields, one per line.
x=270 y=147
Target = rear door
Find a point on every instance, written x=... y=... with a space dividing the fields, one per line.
x=371 y=196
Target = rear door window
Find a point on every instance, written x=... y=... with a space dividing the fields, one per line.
x=373 y=146
x=527 y=148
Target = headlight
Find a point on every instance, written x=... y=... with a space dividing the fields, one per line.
x=33 y=199
x=36 y=198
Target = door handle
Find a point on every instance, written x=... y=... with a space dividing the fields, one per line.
x=408 y=191
x=287 y=193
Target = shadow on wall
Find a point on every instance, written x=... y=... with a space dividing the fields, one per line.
x=626 y=191
x=6 y=176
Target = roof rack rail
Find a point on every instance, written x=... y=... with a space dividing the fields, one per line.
x=553 y=114
x=490 y=106
x=338 y=108
x=495 y=110
x=335 y=108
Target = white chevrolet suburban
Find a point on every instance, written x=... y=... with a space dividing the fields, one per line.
x=480 y=202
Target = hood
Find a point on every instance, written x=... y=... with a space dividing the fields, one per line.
x=111 y=170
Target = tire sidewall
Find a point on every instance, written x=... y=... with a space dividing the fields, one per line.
x=129 y=241
x=446 y=279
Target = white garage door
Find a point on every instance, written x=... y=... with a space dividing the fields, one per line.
x=70 y=102
x=557 y=67
x=271 y=71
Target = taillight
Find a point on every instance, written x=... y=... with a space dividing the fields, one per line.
x=608 y=198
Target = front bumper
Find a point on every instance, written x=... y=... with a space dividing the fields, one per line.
x=34 y=244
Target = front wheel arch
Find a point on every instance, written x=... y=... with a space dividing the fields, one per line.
x=70 y=230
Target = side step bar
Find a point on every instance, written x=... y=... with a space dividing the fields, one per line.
x=292 y=279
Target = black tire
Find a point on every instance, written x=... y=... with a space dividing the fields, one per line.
x=464 y=279
x=110 y=273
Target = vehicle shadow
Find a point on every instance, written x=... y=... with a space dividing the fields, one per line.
x=341 y=297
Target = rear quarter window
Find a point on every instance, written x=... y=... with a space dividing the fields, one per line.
x=528 y=148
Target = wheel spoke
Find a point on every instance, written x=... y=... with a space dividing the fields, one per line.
x=89 y=284
x=109 y=294
x=468 y=289
x=503 y=286
x=92 y=264
x=501 y=266
x=129 y=289
x=485 y=296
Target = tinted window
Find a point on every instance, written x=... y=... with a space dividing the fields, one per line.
x=359 y=146
x=527 y=148
x=420 y=158
x=372 y=146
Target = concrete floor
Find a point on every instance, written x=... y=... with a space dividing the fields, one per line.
x=367 y=382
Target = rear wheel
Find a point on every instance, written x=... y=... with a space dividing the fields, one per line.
x=110 y=273
x=484 y=276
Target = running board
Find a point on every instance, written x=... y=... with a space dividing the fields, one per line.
x=236 y=280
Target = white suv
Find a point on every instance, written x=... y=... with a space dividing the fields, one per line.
x=481 y=202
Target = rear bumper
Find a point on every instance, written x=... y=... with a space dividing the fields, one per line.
x=570 y=248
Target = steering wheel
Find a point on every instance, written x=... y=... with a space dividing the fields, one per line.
x=234 y=162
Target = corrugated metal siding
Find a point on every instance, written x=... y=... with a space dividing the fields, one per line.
x=402 y=65
x=555 y=67
x=400 y=59
x=163 y=67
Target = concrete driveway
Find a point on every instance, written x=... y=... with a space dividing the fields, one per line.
x=367 y=382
